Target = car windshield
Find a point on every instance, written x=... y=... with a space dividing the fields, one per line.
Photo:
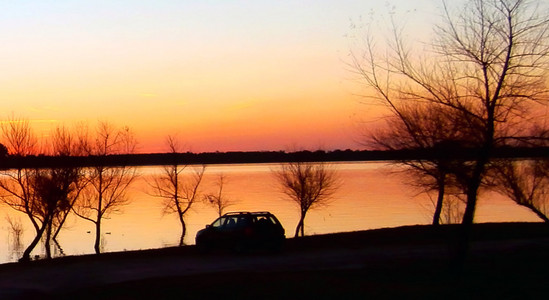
x=270 y=219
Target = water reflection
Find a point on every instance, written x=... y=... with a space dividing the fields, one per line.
x=15 y=232
x=370 y=197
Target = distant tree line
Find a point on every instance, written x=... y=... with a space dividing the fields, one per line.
x=8 y=161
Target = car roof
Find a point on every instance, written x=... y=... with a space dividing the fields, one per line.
x=239 y=213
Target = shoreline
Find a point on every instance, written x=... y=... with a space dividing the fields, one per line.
x=411 y=256
x=255 y=157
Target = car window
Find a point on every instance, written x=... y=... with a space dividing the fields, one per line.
x=243 y=221
x=219 y=222
x=230 y=223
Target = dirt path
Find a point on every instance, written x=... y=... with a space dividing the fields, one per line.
x=52 y=278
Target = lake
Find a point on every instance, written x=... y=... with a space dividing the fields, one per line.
x=370 y=196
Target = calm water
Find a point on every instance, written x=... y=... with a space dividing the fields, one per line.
x=370 y=197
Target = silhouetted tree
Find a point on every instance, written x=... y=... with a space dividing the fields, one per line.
x=179 y=189
x=105 y=192
x=487 y=64
x=219 y=201
x=53 y=190
x=19 y=138
x=432 y=131
x=309 y=185
x=17 y=185
x=524 y=181
x=65 y=143
x=44 y=195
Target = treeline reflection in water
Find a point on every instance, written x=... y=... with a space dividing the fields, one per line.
x=371 y=196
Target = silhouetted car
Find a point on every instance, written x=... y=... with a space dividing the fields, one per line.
x=242 y=231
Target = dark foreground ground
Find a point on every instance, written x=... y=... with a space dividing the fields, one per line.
x=506 y=261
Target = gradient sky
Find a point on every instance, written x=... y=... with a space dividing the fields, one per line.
x=222 y=75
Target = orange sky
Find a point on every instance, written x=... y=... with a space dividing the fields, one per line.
x=223 y=75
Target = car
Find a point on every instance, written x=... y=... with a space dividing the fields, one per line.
x=242 y=231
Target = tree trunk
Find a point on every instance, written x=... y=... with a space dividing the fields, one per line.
x=61 y=252
x=472 y=192
x=473 y=186
x=300 y=229
x=97 y=245
x=183 y=225
x=26 y=254
x=183 y=231
x=440 y=200
x=48 y=240
x=474 y=182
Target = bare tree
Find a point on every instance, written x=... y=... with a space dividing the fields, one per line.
x=178 y=189
x=65 y=143
x=524 y=181
x=44 y=195
x=17 y=185
x=217 y=199
x=19 y=137
x=53 y=193
x=105 y=192
x=434 y=134
x=309 y=185
x=487 y=64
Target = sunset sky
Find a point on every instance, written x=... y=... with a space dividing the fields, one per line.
x=222 y=75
